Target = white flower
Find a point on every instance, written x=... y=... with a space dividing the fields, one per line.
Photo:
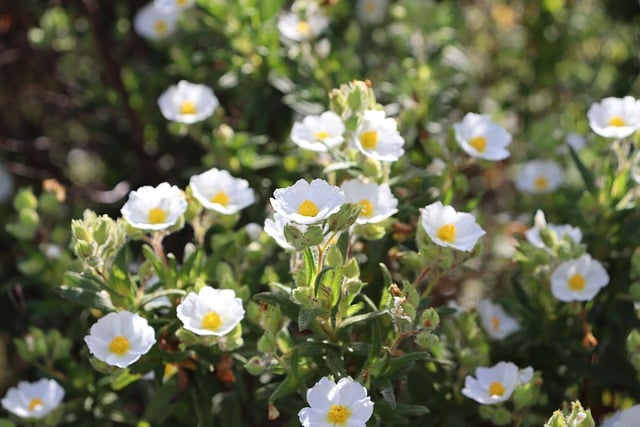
x=33 y=400
x=6 y=184
x=172 y=6
x=378 y=137
x=372 y=11
x=275 y=228
x=219 y=191
x=533 y=234
x=624 y=418
x=119 y=339
x=615 y=117
x=377 y=201
x=153 y=23
x=308 y=203
x=525 y=375
x=154 y=208
x=495 y=320
x=578 y=279
x=210 y=311
x=492 y=385
x=449 y=228
x=187 y=102
x=480 y=137
x=318 y=133
x=539 y=176
x=304 y=25
x=345 y=404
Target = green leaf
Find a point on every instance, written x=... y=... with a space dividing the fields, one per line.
x=386 y=389
x=86 y=297
x=362 y=318
x=585 y=173
x=123 y=379
x=286 y=387
x=308 y=315
x=403 y=362
x=279 y=299
x=161 y=293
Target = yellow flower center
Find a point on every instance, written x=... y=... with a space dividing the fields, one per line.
x=157 y=216
x=160 y=27
x=616 y=121
x=479 y=143
x=576 y=282
x=447 y=233
x=541 y=183
x=119 y=345
x=221 y=198
x=181 y=2
x=303 y=27
x=322 y=135
x=35 y=403
x=369 y=139
x=370 y=7
x=366 y=208
x=188 y=107
x=308 y=208
x=338 y=414
x=495 y=323
x=211 y=321
x=496 y=389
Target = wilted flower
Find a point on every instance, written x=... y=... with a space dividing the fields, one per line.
x=154 y=208
x=578 y=279
x=219 y=191
x=318 y=133
x=33 y=400
x=533 y=234
x=172 y=6
x=492 y=385
x=615 y=117
x=378 y=137
x=153 y=23
x=495 y=320
x=372 y=11
x=307 y=203
x=377 y=201
x=213 y=312
x=301 y=25
x=480 y=137
x=449 y=228
x=624 y=418
x=119 y=339
x=344 y=404
x=539 y=176
x=187 y=102
x=275 y=228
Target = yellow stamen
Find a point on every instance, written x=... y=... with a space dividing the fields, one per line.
x=479 y=143
x=119 y=345
x=35 y=403
x=211 y=321
x=160 y=27
x=447 y=233
x=170 y=369
x=366 y=208
x=221 y=198
x=188 y=107
x=322 y=135
x=308 y=208
x=541 y=183
x=576 y=282
x=303 y=27
x=496 y=389
x=157 y=216
x=616 y=121
x=495 y=323
x=181 y=2
x=369 y=140
x=338 y=414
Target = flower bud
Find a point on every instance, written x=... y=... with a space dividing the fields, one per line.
x=25 y=199
x=430 y=319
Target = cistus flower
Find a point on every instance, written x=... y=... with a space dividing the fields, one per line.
x=449 y=228
x=275 y=228
x=377 y=201
x=33 y=400
x=217 y=190
x=533 y=234
x=301 y=25
x=120 y=339
x=307 y=203
x=492 y=385
x=378 y=137
x=615 y=117
x=578 y=279
x=479 y=137
x=372 y=11
x=624 y=418
x=210 y=312
x=496 y=321
x=153 y=23
x=172 y=6
x=539 y=176
x=154 y=208
x=318 y=133
x=187 y=102
x=344 y=404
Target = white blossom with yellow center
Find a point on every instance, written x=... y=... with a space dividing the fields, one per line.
x=578 y=279
x=495 y=321
x=449 y=228
x=154 y=208
x=479 y=137
x=318 y=133
x=304 y=22
x=539 y=176
x=378 y=137
x=217 y=190
x=33 y=399
x=492 y=385
x=377 y=201
x=308 y=202
x=372 y=11
x=187 y=102
x=173 y=6
x=345 y=404
x=210 y=312
x=615 y=117
x=154 y=23
x=120 y=339
x=533 y=234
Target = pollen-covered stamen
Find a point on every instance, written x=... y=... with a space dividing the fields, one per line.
x=160 y=27
x=119 y=345
x=541 y=182
x=308 y=208
x=211 y=321
x=479 y=143
x=616 y=121
x=576 y=282
x=369 y=139
x=35 y=404
x=157 y=216
x=497 y=389
x=303 y=27
x=338 y=414
x=220 y=198
x=447 y=233
x=321 y=135
x=188 y=107
x=181 y=2
x=495 y=323
x=366 y=208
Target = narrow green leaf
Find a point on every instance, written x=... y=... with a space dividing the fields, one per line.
x=123 y=379
x=85 y=297
x=386 y=389
x=279 y=299
x=362 y=318
x=585 y=173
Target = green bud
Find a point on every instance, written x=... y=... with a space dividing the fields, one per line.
x=434 y=148
x=83 y=249
x=79 y=231
x=29 y=218
x=426 y=339
x=267 y=343
x=31 y=266
x=578 y=417
x=344 y=218
x=255 y=366
x=102 y=230
x=371 y=167
x=633 y=342
x=273 y=320
x=371 y=231
x=25 y=199
x=48 y=203
x=430 y=319
x=549 y=237
x=337 y=102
